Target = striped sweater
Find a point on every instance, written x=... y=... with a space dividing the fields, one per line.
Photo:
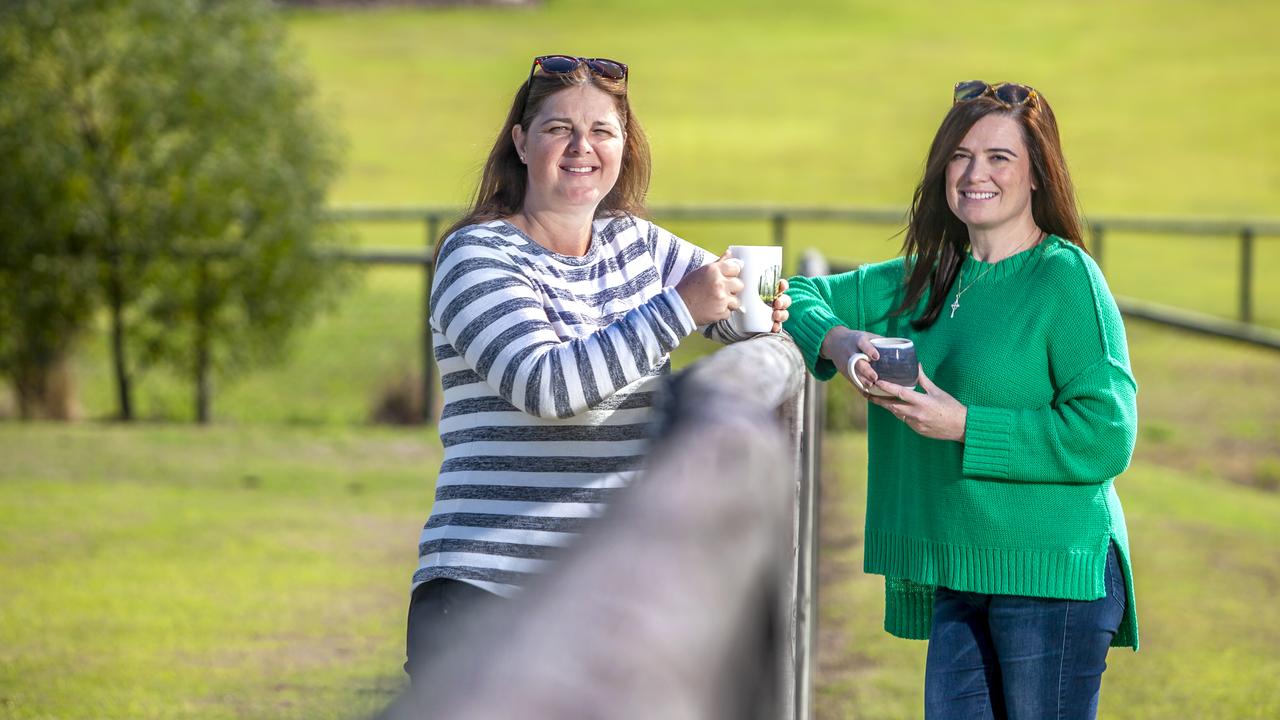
x=549 y=364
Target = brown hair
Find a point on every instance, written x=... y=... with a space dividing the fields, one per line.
x=937 y=242
x=503 y=184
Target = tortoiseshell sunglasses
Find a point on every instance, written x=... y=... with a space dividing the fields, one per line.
x=1007 y=93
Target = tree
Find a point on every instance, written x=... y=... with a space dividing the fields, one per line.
x=195 y=167
x=46 y=284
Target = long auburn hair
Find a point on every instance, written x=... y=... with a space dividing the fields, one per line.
x=937 y=241
x=504 y=181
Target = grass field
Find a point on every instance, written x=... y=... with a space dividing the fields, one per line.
x=175 y=572
x=256 y=568
x=168 y=572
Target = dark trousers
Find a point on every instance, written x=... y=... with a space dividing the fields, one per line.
x=437 y=612
x=1022 y=658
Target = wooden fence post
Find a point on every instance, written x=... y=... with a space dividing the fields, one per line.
x=429 y=413
x=1246 y=275
x=668 y=607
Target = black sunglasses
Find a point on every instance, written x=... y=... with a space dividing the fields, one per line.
x=560 y=64
x=1007 y=93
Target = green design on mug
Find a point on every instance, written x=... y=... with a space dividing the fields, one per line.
x=768 y=287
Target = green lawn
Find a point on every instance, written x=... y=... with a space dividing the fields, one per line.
x=172 y=572
x=257 y=568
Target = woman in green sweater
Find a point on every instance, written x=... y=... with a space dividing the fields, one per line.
x=991 y=509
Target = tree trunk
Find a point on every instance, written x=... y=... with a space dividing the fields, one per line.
x=204 y=391
x=124 y=389
x=204 y=399
x=45 y=390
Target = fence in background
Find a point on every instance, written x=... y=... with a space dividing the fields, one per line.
x=692 y=599
x=779 y=220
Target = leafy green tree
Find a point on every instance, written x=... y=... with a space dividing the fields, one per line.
x=181 y=153
x=47 y=284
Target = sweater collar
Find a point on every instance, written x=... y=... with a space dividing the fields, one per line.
x=974 y=270
x=506 y=227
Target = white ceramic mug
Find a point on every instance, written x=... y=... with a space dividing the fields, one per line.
x=761 y=271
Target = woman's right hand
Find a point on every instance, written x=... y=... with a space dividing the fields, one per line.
x=710 y=292
x=841 y=343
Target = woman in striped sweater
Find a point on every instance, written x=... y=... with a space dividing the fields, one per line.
x=553 y=312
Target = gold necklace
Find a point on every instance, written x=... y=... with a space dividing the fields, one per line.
x=955 y=304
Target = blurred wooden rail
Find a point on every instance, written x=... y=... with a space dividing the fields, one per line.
x=688 y=598
x=779 y=218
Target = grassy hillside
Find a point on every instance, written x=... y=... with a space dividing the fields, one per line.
x=1165 y=109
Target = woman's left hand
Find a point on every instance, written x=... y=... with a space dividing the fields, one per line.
x=933 y=413
x=780 y=305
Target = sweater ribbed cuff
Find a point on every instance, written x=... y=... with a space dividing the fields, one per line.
x=987 y=434
x=672 y=296
x=908 y=610
x=809 y=329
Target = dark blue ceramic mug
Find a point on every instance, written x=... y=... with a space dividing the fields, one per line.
x=897 y=364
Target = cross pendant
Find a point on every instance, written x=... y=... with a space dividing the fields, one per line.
x=955 y=306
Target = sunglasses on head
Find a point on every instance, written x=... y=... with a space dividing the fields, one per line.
x=1007 y=93
x=560 y=64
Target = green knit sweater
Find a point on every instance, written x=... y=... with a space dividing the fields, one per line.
x=1026 y=504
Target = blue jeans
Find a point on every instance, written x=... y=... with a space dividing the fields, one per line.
x=1022 y=658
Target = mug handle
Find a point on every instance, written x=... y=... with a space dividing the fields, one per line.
x=854 y=361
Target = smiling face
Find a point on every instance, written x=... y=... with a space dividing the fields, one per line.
x=989 y=178
x=573 y=149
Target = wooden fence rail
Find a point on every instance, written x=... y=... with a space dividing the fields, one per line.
x=681 y=602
